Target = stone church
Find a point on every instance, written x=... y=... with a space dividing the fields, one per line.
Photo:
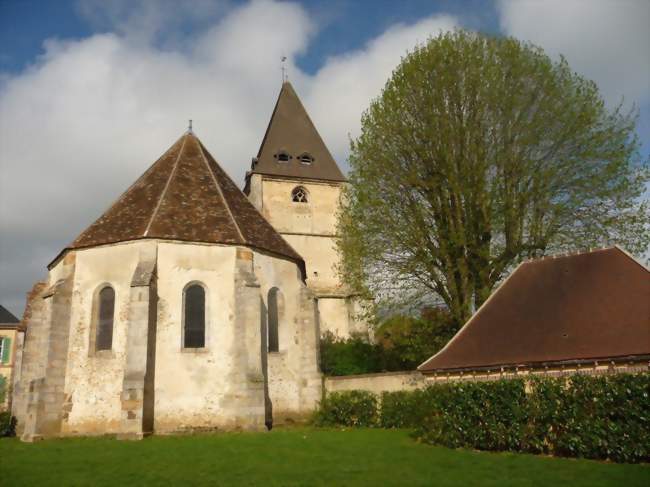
x=189 y=304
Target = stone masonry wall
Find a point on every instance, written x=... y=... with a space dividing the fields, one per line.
x=376 y=383
x=33 y=359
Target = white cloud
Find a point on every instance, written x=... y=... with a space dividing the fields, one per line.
x=605 y=40
x=82 y=123
x=149 y=20
x=343 y=88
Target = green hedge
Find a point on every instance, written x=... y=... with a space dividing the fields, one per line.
x=605 y=417
x=7 y=424
x=350 y=356
x=482 y=415
x=402 y=409
x=350 y=408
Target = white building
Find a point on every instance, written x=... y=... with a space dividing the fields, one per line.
x=182 y=307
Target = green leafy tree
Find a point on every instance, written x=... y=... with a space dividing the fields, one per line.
x=406 y=341
x=480 y=152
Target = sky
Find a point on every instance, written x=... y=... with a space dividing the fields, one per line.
x=92 y=92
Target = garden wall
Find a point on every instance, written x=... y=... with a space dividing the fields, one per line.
x=376 y=383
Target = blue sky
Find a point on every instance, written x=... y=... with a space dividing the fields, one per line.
x=93 y=91
x=345 y=25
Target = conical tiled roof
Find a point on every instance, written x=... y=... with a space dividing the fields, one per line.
x=185 y=195
x=291 y=131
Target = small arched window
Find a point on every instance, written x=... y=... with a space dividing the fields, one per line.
x=282 y=156
x=299 y=195
x=306 y=158
x=274 y=318
x=105 y=315
x=194 y=317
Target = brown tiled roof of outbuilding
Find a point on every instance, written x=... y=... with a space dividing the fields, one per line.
x=185 y=195
x=291 y=130
x=581 y=307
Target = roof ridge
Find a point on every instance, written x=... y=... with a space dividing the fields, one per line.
x=175 y=201
x=465 y=325
x=313 y=126
x=216 y=183
x=164 y=191
x=630 y=256
x=116 y=200
x=569 y=253
x=268 y=127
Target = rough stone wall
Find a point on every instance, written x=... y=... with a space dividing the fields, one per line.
x=33 y=359
x=320 y=256
x=94 y=382
x=310 y=228
x=139 y=369
x=293 y=375
x=148 y=381
x=245 y=400
x=193 y=388
x=44 y=410
x=376 y=383
x=316 y=217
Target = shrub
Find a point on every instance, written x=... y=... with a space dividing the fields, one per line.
x=482 y=415
x=402 y=343
x=349 y=356
x=593 y=417
x=406 y=341
x=606 y=417
x=349 y=408
x=7 y=424
x=402 y=409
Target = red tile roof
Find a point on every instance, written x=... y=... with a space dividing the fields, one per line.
x=185 y=195
x=588 y=306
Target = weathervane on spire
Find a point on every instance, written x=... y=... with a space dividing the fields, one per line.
x=285 y=77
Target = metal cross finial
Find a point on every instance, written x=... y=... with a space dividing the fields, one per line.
x=284 y=69
x=189 y=129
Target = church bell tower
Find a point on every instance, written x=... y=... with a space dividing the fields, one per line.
x=295 y=183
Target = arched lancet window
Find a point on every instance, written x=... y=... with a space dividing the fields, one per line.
x=105 y=315
x=274 y=317
x=194 y=319
x=299 y=195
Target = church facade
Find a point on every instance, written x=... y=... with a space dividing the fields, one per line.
x=189 y=304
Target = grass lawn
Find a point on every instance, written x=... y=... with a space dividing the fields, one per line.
x=291 y=457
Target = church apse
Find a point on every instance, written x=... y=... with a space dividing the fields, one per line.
x=127 y=361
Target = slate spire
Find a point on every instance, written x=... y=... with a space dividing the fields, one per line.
x=185 y=195
x=292 y=147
